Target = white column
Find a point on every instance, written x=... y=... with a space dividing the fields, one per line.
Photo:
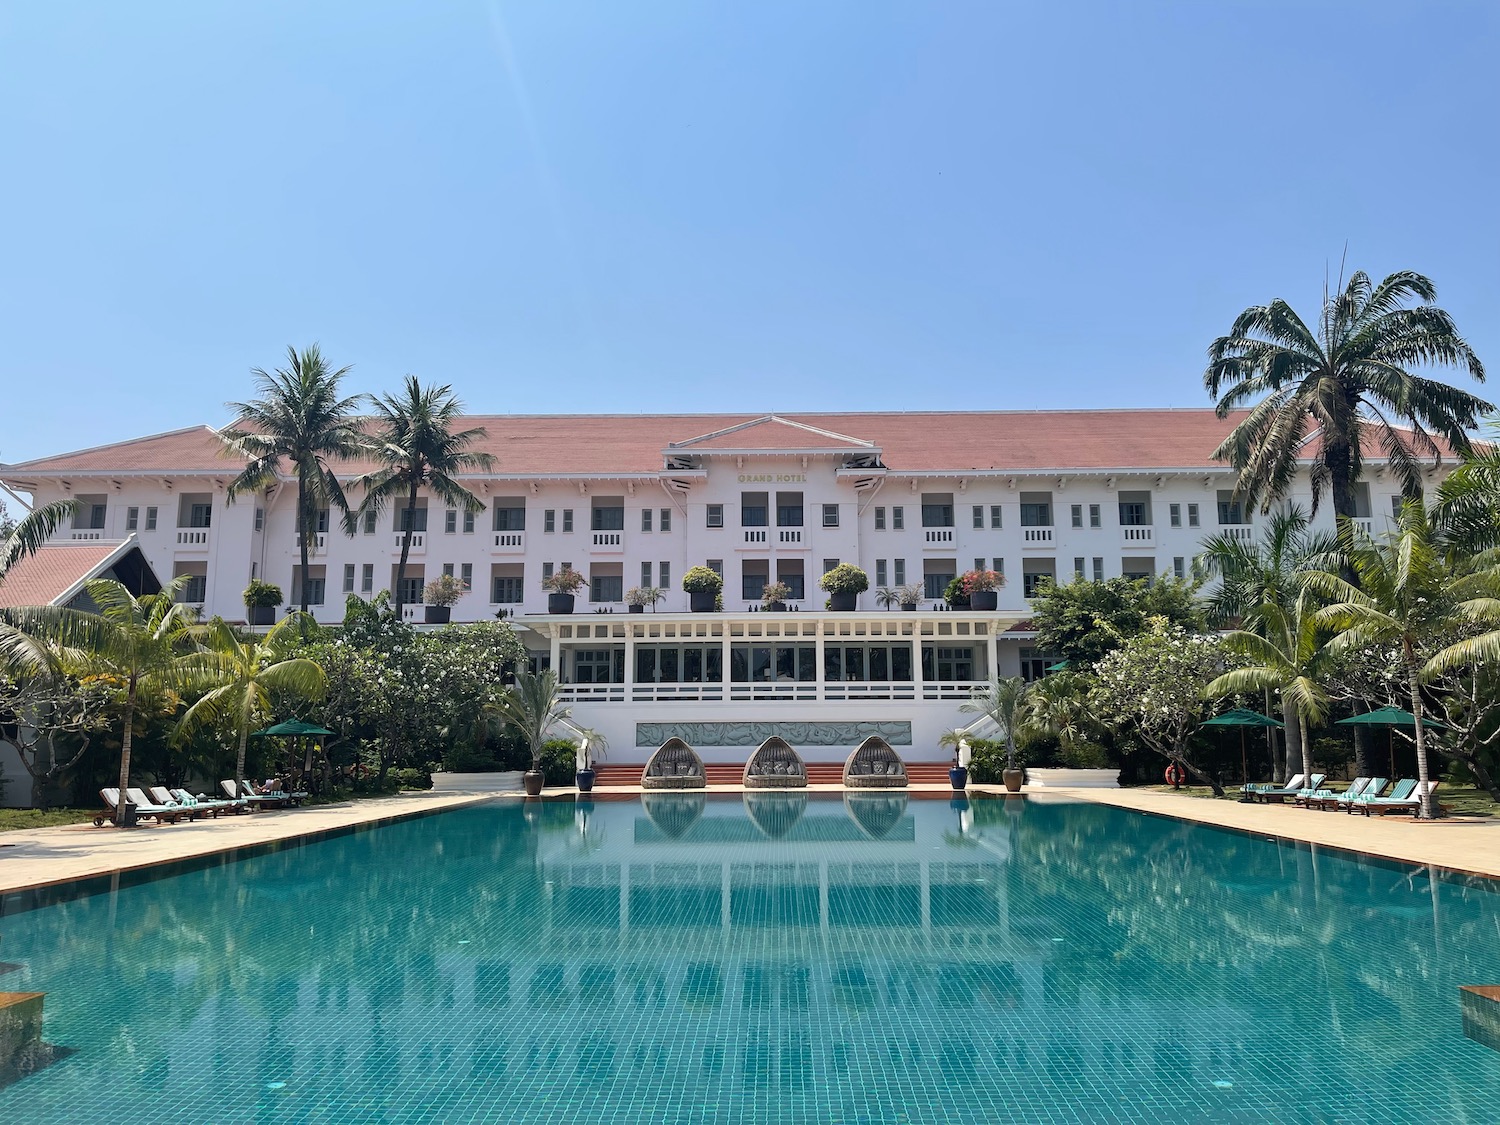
x=992 y=650
x=818 y=669
x=629 y=661
x=916 y=659
x=556 y=654
x=724 y=663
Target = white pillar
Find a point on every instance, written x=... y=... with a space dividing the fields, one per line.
x=992 y=649
x=819 y=665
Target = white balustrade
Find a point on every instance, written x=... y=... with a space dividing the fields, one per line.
x=88 y=535
x=791 y=535
x=510 y=541
x=418 y=541
x=1036 y=535
x=940 y=535
x=755 y=537
x=609 y=540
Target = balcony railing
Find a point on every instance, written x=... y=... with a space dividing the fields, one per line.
x=791 y=535
x=1366 y=526
x=755 y=537
x=1241 y=531
x=86 y=533
x=510 y=541
x=772 y=691
x=1138 y=536
x=1036 y=536
x=939 y=535
x=318 y=545
x=418 y=541
x=609 y=540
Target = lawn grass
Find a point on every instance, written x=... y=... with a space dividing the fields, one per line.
x=1459 y=801
x=13 y=819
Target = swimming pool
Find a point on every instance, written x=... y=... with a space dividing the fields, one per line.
x=777 y=958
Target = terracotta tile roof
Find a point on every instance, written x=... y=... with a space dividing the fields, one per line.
x=1019 y=441
x=772 y=432
x=46 y=576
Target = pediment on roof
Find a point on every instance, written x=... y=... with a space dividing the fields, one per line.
x=771 y=432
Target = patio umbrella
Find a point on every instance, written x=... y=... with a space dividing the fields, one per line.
x=1060 y=666
x=1243 y=718
x=1390 y=718
x=296 y=728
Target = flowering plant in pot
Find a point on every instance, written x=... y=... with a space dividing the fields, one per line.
x=703 y=587
x=440 y=595
x=980 y=587
x=561 y=585
x=639 y=597
x=261 y=600
x=774 y=596
x=844 y=583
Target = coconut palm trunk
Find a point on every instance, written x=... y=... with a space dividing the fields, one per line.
x=304 y=526
x=125 y=739
x=239 y=755
x=1429 y=809
x=410 y=522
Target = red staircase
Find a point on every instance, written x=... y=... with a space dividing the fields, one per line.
x=720 y=774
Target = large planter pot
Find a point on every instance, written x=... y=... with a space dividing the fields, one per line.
x=958 y=776
x=263 y=615
x=584 y=779
x=702 y=601
x=984 y=599
x=842 y=603
x=533 y=779
x=437 y=614
x=127 y=815
x=559 y=603
x=776 y=607
x=908 y=607
x=1013 y=780
x=637 y=609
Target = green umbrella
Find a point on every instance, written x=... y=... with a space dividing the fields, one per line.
x=1060 y=666
x=1390 y=718
x=292 y=728
x=1242 y=718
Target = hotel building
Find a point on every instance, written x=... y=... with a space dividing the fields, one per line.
x=637 y=500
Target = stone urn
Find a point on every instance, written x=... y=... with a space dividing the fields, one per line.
x=1013 y=780
x=533 y=779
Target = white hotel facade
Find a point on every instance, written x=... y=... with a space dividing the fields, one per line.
x=636 y=500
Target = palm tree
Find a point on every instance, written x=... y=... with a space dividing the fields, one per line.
x=1411 y=597
x=298 y=418
x=1343 y=382
x=1001 y=701
x=245 y=670
x=142 y=644
x=1468 y=507
x=1268 y=572
x=29 y=533
x=1284 y=652
x=417 y=447
x=531 y=707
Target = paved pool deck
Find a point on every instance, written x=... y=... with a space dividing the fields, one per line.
x=40 y=857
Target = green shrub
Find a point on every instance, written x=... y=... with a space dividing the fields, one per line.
x=465 y=758
x=846 y=578
x=954 y=595
x=1085 y=756
x=420 y=778
x=987 y=760
x=262 y=595
x=702 y=580
x=559 y=761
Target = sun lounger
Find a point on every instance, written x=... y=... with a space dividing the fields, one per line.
x=192 y=805
x=244 y=791
x=1406 y=797
x=1293 y=788
x=162 y=814
x=1256 y=788
x=1374 y=788
x=1327 y=799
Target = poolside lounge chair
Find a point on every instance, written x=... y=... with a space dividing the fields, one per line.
x=1406 y=797
x=162 y=814
x=874 y=765
x=1373 y=788
x=1256 y=788
x=193 y=806
x=235 y=806
x=1327 y=798
x=775 y=765
x=244 y=791
x=674 y=765
x=275 y=786
x=1292 y=788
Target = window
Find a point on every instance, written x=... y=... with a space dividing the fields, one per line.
x=546 y=571
x=260 y=519
x=1135 y=509
x=412 y=520
x=1179 y=567
x=1033 y=571
x=998 y=566
x=715 y=517
x=450 y=521
x=790 y=572
x=1231 y=511
x=607 y=588
x=1361 y=500
x=199 y=515
x=1034 y=664
x=505 y=590
x=645 y=574
x=510 y=515
x=789 y=509
x=150 y=519
x=995 y=520
x=664 y=572
x=1036 y=509
x=549 y=520
x=952 y=663
x=880 y=572
x=1077 y=515
x=830 y=515
x=1094 y=518
x=411 y=590
x=592 y=666
x=645 y=519
x=937 y=509
x=133 y=518
x=935 y=584
x=978 y=515
x=367 y=578
x=466 y=576
x=879 y=519
x=898 y=518
x=448 y=570
x=717 y=566
x=315 y=590
x=320 y=521
x=979 y=564
x=1078 y=568
x=753 y=578
x=468 y=523
x=567 y=519
x=898 y=572
x=753 y=509
x=1395 y=506
x=1138 y=570
x=1098 y=570
x=666 y=519
x=1174 y=514
x=196 y=590
x=348 y=578
x=370 y=522
x=829 y=564
x=606 y=515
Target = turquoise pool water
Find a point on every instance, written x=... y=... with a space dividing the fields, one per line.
x=776 y=959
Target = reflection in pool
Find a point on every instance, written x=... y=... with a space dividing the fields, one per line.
x=776 y=958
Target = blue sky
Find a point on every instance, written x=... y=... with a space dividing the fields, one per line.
x=643 y=207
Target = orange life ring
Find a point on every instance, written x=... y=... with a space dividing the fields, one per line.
x=1176 y=775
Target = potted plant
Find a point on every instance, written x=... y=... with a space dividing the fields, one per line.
x=591 y=744
x=958 y=772
x=954 y=594
x=773 y=597
x=844 y=584
x=530 y=708
x=261 y=600
x=703 y=587
x=910 y=595
x=639 y=597
x=888 y=597
x=1003 y=702
x=981 y=586
x=561 y=585
x=441 y=594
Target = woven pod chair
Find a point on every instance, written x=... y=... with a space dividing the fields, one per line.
x=874 y=765
x=675 y=765
x=775 y=766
